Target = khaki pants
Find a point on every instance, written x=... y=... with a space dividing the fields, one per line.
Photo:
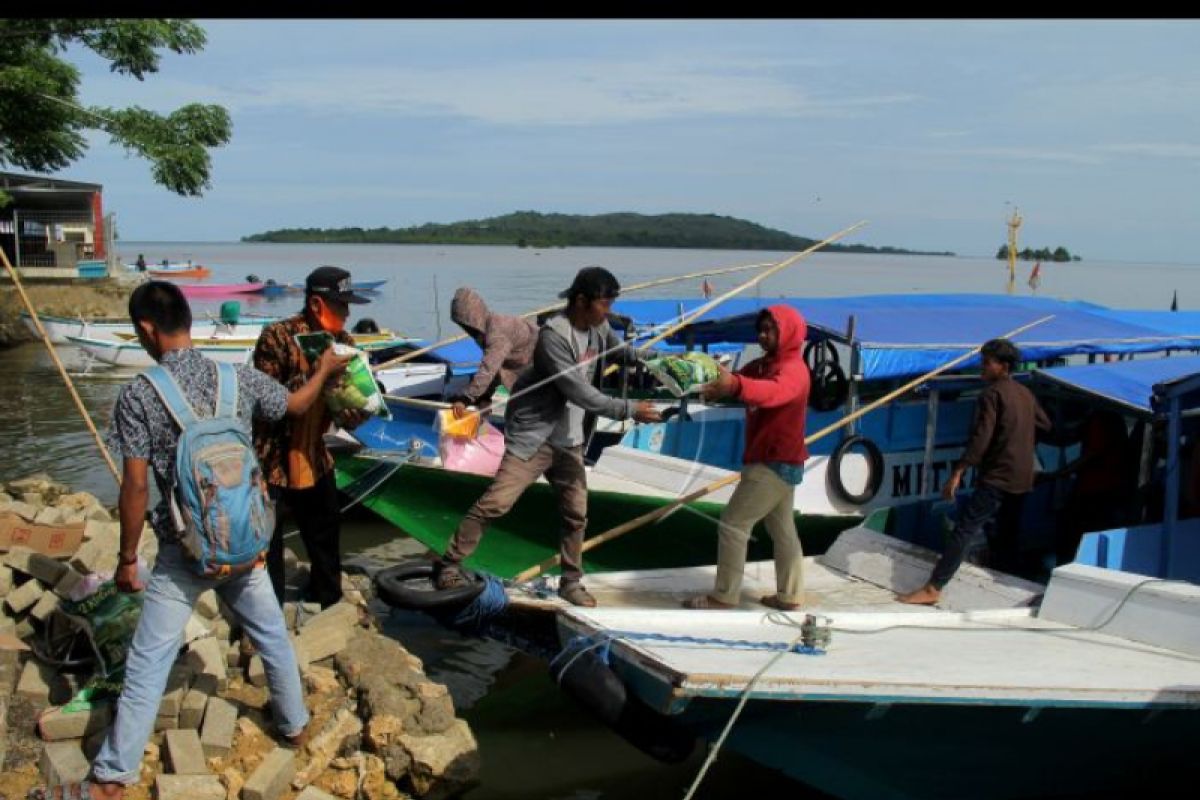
x=760 y=495
x=564 y=470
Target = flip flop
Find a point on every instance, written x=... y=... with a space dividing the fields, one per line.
x=81 y=790
x=773 y=601
x=576 y=595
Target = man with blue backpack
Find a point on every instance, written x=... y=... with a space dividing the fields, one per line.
x=187 y=420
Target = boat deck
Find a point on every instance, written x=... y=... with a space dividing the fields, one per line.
x=988 y=651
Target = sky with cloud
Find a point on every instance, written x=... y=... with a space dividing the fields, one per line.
x=931 y=130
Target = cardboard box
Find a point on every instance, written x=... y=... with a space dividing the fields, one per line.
x=57 y=541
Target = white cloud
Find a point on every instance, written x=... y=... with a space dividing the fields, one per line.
x=559 y=92
x=1154 y=149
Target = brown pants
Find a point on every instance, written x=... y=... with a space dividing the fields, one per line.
x=564 y=470
x=760 y=495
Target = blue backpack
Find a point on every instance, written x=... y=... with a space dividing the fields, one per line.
x=220 y=501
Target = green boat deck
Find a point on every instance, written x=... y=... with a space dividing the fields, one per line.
x=427 y=504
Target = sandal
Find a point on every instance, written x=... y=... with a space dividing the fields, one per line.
x=705 y=603
x=576 y=595
x=81 y=790
x=450 y=578
x=774 y=601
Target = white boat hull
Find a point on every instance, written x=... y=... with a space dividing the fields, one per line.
x=120 y=354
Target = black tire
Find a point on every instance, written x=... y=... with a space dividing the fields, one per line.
x=874 y=462
x=411 y=586
x=819 y=351
x=829 y=387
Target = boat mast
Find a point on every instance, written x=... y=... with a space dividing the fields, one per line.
x=1014 y=223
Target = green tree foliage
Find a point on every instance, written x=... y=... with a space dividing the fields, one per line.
x=1059 y=253
x=532 y=229
x=42 y=121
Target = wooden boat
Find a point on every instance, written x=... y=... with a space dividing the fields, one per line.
x=369 y=342
x=130 y=353
x=270 y=287
x=58 y=328
x=217 y=289
x=427 y=503
x=1087 y=684
x=182 y=271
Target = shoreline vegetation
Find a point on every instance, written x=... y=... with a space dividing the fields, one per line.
x=541 y=231
x=1059 y=254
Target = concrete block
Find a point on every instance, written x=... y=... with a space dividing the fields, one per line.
x=272 y=777
x=34 y=500
x=63 y=762
x=38 y=681
x=45 y=606
x=338 y=615
x=206 y=656
x=221 y=629
x=233 y=655
x=6 y=579
x=322 y=641
x=189 y=787
x=179 y=680
x=56 y=725
x=206 y=605
x=67 y=583
x=32 y=563
x=196 y=628
x=166 y=722
x=313 y=793
x=24 y=596
x=255 y=673
x=191 y=712
x=99 y=529
x=24 y=630
x=211 y=685
x=216 y=734
x=100 y=548
x=185 y=756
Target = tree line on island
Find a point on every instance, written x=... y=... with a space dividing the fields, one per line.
x=533 y=229
x=1042 y=254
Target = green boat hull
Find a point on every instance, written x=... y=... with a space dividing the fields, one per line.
x=427 y=503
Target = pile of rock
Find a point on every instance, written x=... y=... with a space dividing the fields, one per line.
x=380 y=728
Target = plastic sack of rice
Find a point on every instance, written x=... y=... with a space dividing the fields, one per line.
x=355 y=388
x=684 y=374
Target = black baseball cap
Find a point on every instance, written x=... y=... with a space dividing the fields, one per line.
x=593 y=283
x=332 y=282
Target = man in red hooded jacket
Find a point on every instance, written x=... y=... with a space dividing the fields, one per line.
x=774 y=389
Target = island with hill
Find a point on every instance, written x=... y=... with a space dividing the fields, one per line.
x=533 y=229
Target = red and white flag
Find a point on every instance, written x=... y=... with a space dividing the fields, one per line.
x=707 y=289
x=1035 y=277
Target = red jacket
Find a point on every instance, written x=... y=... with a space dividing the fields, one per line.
x=775 y=391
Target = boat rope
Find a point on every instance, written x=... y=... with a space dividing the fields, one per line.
x=486 y=606
x=387 y=468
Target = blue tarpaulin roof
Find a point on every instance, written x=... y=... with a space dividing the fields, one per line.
x=904 y=335
x=1185 y=324
x=1128 y=383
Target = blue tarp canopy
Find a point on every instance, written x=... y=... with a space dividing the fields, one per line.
x=462 y=356
x=1184 y=324
x=1134 y=385
x=904 y=335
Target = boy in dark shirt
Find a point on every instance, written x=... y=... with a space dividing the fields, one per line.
x=1001 y=448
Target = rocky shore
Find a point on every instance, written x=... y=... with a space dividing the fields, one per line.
x=380 y=730
x=100 y=298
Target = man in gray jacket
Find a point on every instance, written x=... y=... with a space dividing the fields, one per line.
x=553 y=409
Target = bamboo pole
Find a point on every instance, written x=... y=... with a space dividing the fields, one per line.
x=650 y=516
x=757 y=279
x=37 y=322
x=634 y=288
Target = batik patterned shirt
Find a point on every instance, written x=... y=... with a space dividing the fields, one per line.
x=141 y=426
x=292 y=452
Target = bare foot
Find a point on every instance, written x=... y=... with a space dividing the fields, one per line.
x=927 y=595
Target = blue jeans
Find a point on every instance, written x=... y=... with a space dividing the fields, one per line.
x=170 y=596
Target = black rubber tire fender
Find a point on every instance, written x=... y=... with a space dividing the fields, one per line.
x=392 y=585
x=820 y=396
x=819 y=351
x=875 y=470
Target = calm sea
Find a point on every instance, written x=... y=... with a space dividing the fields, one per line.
x=535 y=742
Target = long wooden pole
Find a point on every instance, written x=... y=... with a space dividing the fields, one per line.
x=37 y=322
x=687 y=319
x=650 y=516
x=634 y=288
